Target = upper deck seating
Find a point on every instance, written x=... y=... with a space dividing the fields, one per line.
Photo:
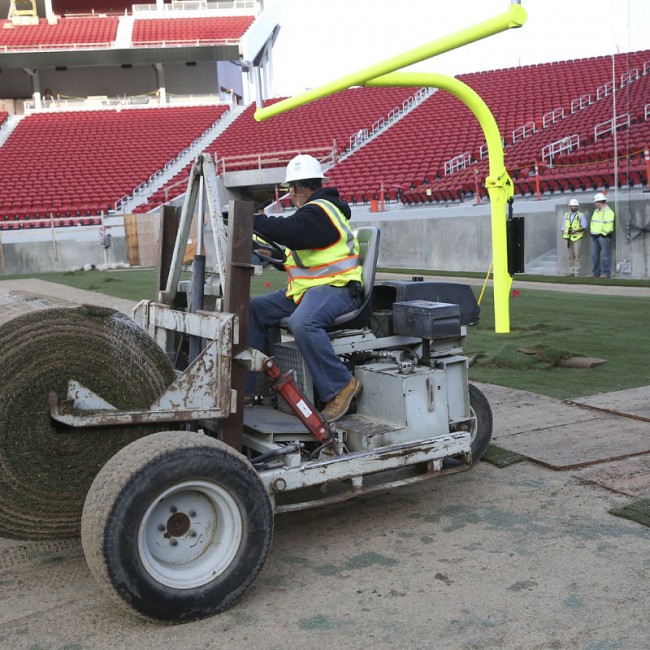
x=171 y=31
x=66 y=33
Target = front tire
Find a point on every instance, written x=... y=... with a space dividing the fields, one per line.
x=177 y=526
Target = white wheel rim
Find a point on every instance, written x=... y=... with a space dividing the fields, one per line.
x=190 y=534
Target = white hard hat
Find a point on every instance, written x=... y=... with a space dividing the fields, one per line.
x=302 y=168
x=599 y=197
x=573 y=203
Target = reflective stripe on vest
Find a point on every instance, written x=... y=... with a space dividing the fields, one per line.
x=569 y=220
x=602 y=222
x=336 y=264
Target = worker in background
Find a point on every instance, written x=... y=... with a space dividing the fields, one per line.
x=602 y=231
x=573 y=231
x=324 y=281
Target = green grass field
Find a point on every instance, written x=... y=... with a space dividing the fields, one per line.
x=613 y=328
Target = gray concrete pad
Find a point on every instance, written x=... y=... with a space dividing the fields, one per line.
x=635 y=402
x=630 y=476
x=518 y=411
x=561 y=435
x=582 y=443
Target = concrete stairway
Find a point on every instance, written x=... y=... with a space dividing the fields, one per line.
x=545 y=264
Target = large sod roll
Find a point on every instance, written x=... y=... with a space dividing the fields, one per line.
x=46 y=468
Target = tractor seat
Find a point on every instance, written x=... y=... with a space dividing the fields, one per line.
x=368 y=237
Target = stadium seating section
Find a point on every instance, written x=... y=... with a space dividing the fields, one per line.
x=318 y=128
x=156 y=31
x=66 y=33
x=96 y=31
x=76 y=164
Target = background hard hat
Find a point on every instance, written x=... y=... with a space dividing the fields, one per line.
x=303 y=167
x=573 y=202
x=599 y=197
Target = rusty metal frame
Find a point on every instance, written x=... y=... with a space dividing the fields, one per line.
x=352 y=468
x=202 y=391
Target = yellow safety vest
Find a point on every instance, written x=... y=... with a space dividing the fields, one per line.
x=572 y=220
x=602 y=222
x=337 y=264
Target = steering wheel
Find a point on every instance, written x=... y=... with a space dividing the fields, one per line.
x=271 y=245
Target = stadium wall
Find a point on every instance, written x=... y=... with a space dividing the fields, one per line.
x=458 y=238
x=25 y=252
x=449 y=239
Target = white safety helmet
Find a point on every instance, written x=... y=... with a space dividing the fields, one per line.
x=573 y=203
x=302 y=168
x=599 y=197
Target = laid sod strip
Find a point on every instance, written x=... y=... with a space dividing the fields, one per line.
x=45 y=468
x=638 y=511
x=501 y=457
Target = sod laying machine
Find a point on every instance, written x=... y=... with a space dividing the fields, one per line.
x=135 y=432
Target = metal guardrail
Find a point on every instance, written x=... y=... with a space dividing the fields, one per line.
x=358 y=139
x=51 y=104
x=199 y=5
x=567 y=144
x=552 y=117
x=458 y=162
x=604 y=90
x=580 y=102
x=483 y=151
x=608 y=126
x=56 y=47
x=523 y=131
x=326 y=156
x=630 y=76
x=194 y=42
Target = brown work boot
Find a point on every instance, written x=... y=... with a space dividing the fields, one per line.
x=338 y=406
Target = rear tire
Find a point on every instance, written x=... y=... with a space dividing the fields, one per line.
x=177 y=526
x=480 y=423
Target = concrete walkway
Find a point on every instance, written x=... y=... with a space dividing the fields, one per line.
x=68 y=293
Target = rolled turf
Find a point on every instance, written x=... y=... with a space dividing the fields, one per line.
x=46 y=468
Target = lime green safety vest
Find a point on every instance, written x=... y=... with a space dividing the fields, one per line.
x=572 y=220
x=602 y=222
x=336 y=264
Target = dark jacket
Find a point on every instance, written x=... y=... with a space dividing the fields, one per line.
x=307 y=227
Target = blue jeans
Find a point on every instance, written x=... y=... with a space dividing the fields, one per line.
x=603 y=244
x=308 y=321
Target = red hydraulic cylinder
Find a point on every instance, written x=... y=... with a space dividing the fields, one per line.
x=283 y=384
